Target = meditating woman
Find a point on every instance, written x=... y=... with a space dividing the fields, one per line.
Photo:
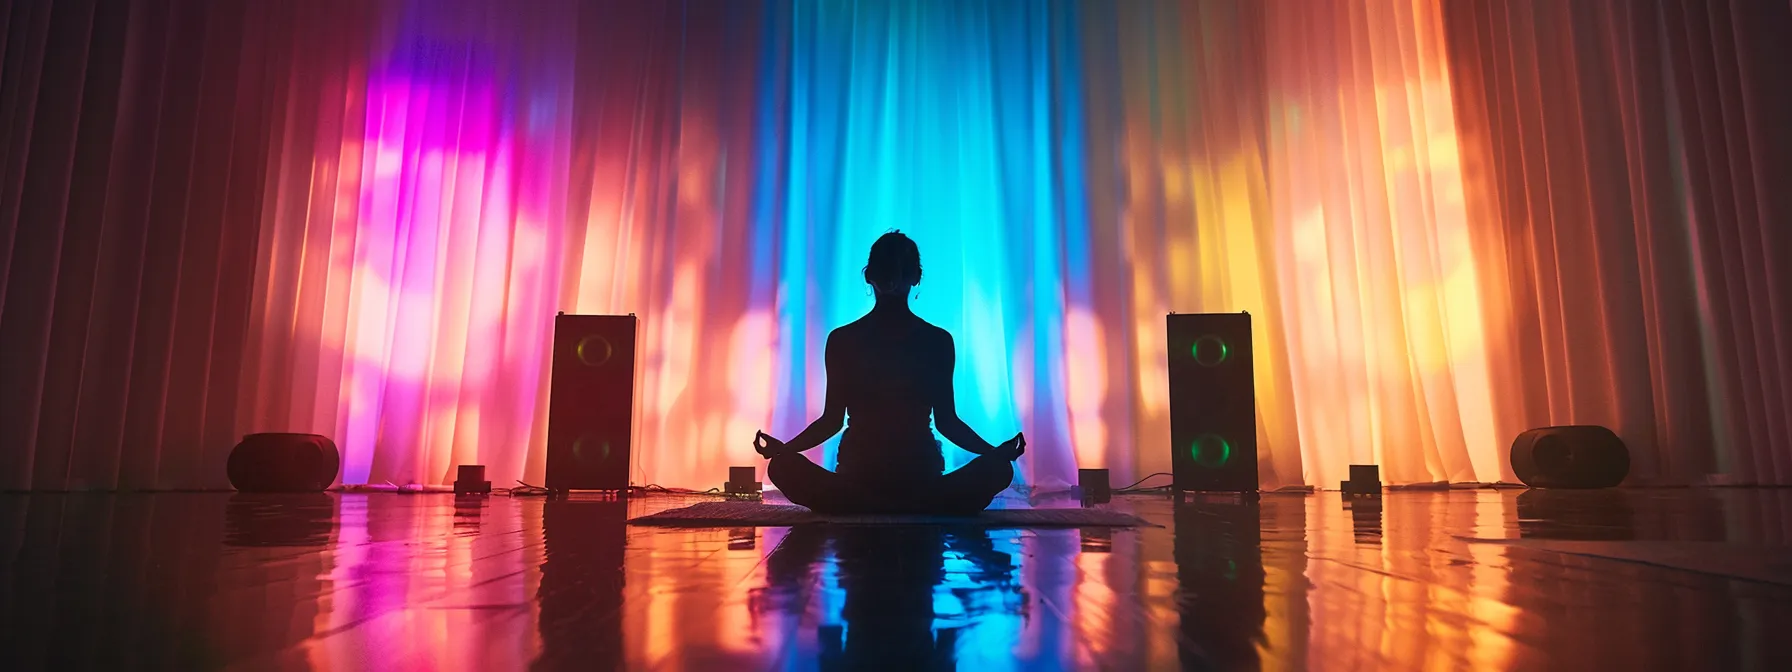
x=886 y=373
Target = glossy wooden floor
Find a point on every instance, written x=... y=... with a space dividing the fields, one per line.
x=388 y=581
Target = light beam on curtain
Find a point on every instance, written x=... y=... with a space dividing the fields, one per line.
x=1179 y=213
x=410 y=268
x=672 y=219
x=937 y=120
x=1297 y=161
x=1377 y=276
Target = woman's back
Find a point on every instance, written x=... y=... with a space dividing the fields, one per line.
x=889 y=372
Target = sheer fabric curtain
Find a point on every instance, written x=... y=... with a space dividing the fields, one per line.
x=132 y=148
x=1451 y=221
x=1629 y=160
x=410 y=261
x=1296 y=160
x=671 y=202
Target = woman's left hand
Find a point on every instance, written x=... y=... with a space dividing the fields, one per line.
x=768 y=446
x=1011 y=449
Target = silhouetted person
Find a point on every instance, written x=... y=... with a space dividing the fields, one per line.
x=887 y=372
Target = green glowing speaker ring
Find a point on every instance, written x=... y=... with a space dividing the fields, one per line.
x=600 y=449
x=1210 y=351
x=1210 y=450
x=595 y=350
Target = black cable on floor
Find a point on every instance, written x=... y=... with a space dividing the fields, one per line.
x=1136 y=483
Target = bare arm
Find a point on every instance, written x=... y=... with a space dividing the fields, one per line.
x=945 y=409
x=833 y=413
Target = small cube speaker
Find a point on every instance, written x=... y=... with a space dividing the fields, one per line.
x=470 y=479
x=591 y=402
x=1213 y=404
x=1094 y=484
x=1365 y=479
x=743 y=481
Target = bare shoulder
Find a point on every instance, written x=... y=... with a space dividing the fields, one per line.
x=938 y=338
x=843 y=336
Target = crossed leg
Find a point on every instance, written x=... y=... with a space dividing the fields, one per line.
x=964 y=491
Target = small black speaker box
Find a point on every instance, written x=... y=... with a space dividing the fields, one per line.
x=1577 y=456
x=1094 y=485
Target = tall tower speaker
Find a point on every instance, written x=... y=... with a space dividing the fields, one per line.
x=1213 y=402
x=591 y=401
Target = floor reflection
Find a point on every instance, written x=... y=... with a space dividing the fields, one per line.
x=296 y=519
x=1576 y=514
x=906 y=594
x=581 y=590
x=1365 y=518
x=1219 y=560
x=1460 y=579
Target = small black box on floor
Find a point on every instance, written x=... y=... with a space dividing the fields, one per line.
x=470 y=480
x=591 y=402
x=743 y=481
x=1213 y=404
x=1093 y=483
x=1365 y=479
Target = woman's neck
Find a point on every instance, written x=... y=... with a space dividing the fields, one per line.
x=891 y=303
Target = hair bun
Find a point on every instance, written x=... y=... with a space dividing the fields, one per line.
x=894 y=259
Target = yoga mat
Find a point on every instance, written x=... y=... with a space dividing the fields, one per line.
x=756 y=514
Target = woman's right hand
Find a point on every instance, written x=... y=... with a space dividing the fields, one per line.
x=768 y=446
x=1011 y=449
